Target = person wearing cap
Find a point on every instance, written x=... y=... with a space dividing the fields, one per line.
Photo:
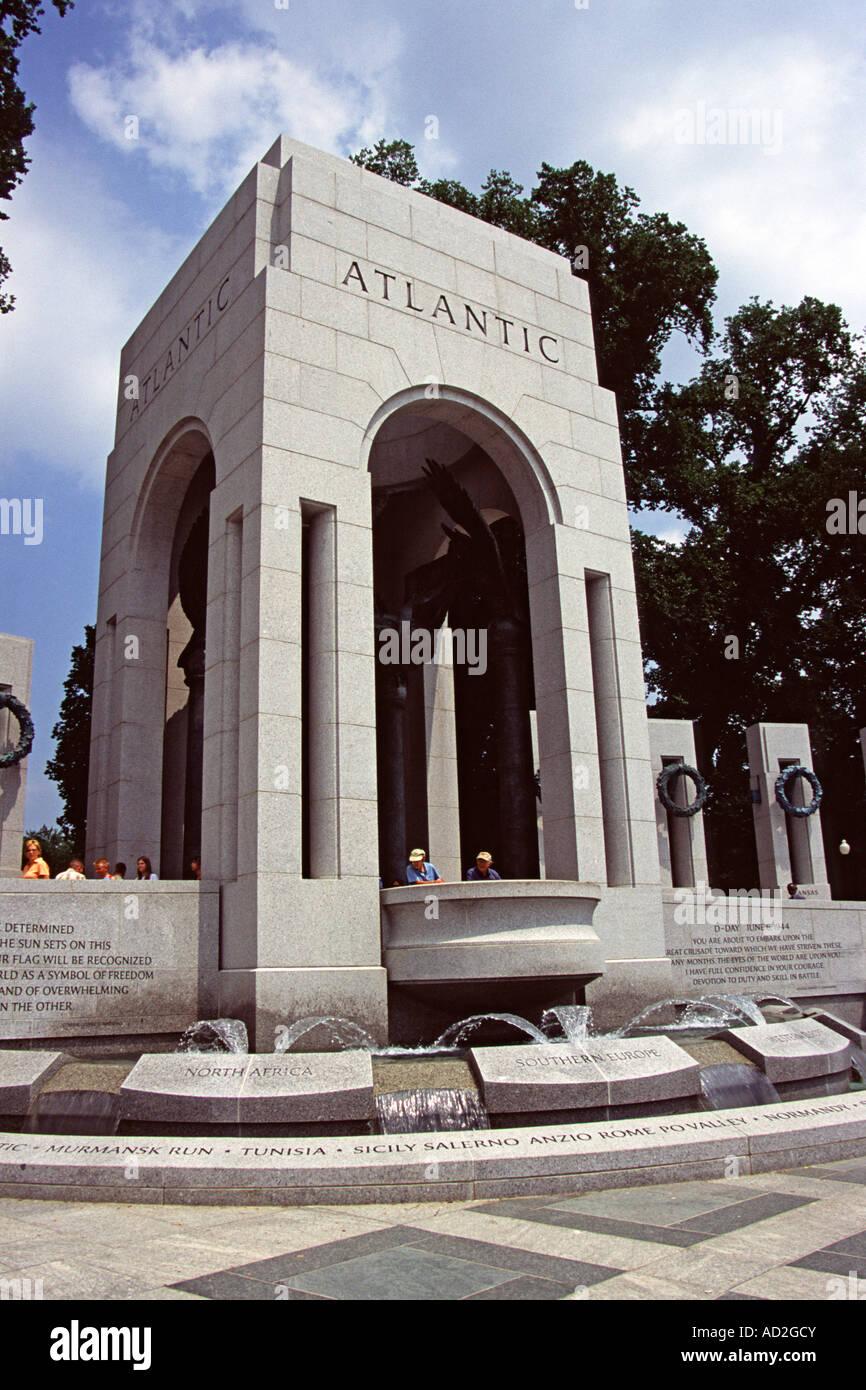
x=418 y=871
x=481 y=870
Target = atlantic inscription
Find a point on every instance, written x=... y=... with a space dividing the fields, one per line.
x=451 y=311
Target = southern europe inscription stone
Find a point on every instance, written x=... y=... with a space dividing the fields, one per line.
x=606 y=1072
x=255 y=1088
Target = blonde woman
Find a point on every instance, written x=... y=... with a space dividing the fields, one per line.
x=34 y=864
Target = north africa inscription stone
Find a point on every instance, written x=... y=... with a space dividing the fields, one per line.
x=255 y=1088
x=607 y=1071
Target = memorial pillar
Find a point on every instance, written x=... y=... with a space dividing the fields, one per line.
x=681 y=839
x=518 y=850
x=443 y=807
x=790 y=848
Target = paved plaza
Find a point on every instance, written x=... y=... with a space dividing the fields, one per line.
x=799 y=1235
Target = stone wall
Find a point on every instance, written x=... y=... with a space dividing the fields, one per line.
x=106 y=959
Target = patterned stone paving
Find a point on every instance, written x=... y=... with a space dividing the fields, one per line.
x=799 y=1234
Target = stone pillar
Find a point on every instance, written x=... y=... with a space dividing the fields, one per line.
x=320 y=707
x=292 y=944
x=790 y=848
x=681 y=840
x=567 y=747
x=391 y=764
x=516 y=774
x=443 y=807
x=16 y=664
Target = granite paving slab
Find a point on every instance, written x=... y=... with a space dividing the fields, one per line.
x=576 y=1220
x=523 y=1290
x=405 y=1274
x=833 y=1262
x=659 y=1206
x=854 y=1244
x=792 y=1051
x=739 y=1214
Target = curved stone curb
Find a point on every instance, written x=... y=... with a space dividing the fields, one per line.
x=456 y=1166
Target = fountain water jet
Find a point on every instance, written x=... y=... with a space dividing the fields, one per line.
x=342 y=1030
x=215 y=1035
x=457 y=1033
x=574 y=1020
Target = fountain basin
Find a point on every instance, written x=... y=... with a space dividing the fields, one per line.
x=437 y=936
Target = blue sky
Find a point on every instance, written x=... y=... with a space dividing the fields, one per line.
x=102 y=221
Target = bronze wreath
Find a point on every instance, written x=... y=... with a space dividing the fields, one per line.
x=782 y=791
x=682 y=770
x=26 y=731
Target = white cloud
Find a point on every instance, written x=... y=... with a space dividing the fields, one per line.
x=783 y=205
x=80 y=261
x=209 y=114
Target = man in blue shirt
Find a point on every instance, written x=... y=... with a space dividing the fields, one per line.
x=417 y=871
x=481 y=871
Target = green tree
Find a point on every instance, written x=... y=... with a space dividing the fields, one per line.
x=760 y=612
x=18 y=19
x=70 y=764
x=395 y=161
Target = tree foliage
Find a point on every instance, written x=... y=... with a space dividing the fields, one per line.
x=69 y=766
x=760 y=612
x=18 y=19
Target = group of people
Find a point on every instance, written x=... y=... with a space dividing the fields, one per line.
x=419 y=870
x=36 y=867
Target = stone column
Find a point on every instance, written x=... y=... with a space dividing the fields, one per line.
x=321 y=696
x=16 y=664
x=296 y=944
x=790 y=848
x=681 y=840
x=443 y=808
x=515 y=770
x=193 y=663
x=391 y=761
